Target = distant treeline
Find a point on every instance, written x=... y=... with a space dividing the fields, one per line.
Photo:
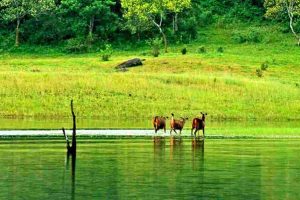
x=86 y=23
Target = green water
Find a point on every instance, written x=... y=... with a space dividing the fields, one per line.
x=138 y=169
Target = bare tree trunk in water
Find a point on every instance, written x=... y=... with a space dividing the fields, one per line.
x=17 y=33
x=74 y=129
x=71 y=149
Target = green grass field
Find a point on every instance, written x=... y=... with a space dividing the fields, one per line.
x=223 y=84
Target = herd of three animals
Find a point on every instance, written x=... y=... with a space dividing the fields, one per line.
x=159 y=122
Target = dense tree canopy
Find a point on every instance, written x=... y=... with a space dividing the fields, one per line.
x=282 y=8
x=81 y=25
x=154 y=12
x=16 y=10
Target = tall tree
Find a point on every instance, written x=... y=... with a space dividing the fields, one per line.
x=154 y=12
x=16 y=10
x=176 y=6
x=89 y=11
x=291 y=8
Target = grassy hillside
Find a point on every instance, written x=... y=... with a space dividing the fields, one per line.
x=224 y=84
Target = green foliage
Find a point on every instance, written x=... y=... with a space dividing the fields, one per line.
x=220 y=50
x=155 y=45
x=183 y=51
x=264 y=66
x=202 y=49
x=17 y=10
x=86 y=15
x=259 y=72
x=285 y=10
x=106 y=52
x=76 y=45
x=12 y=10
x=53 y=22
x=155 y=12
x=278 y=9
x=251 y=35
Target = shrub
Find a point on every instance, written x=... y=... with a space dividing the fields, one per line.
x=220 y=50
x=238 y=37
x=155 y=52
x=184 y=51
x=76 y=45
x=155 y=45
x=201 y=49
x=264 y=66
x=252 y=35
x=106 y=52
x=215 y=80
x=259 y=72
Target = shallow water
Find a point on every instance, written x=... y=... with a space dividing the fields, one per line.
x=138 y=169
x=282 y=129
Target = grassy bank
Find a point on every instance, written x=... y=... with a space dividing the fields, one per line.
x=223 y=84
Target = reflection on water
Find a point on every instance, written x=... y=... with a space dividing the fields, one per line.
x=73 y=172
x=138 y=169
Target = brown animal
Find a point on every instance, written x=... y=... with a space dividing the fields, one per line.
x=198 y=124
x=159 y=122
x=177 y=124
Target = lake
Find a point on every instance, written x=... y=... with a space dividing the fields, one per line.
x=124 y=168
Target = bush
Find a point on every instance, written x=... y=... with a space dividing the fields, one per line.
x=155 y=45
x=7 y=41
x=184 y=51
x=106 y=52
x=220 y=50
x=264 y=66
x=201 y=49
x=238 y=37
x=155 y=52
x=252 y=35
x=76 y=45
x=259 y=72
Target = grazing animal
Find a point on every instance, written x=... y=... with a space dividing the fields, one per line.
x=198 y=124
x=177 y=124
x=159 y=122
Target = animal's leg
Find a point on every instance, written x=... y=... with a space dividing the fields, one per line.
x=203 y=133
x=195 y=133
x=171 y=131
x=192 y=132
x=175 y=131
x=165 y=129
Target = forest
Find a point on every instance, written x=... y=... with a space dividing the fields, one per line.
x=78 y=26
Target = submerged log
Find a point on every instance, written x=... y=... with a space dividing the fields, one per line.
x=71 y=149
x=175 y=140
x=130 y=63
